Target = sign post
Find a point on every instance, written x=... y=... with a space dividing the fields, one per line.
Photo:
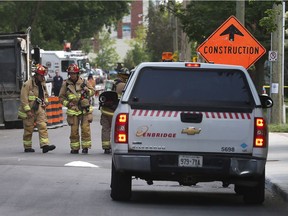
x=232 y=44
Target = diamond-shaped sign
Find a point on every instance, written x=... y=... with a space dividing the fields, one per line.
x=232 y=44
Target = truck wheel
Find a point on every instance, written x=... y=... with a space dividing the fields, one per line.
x=9 y=124
x=239 y=189
x=121 y=184
x=256 y=195
x=13 y=124
x=19 y=125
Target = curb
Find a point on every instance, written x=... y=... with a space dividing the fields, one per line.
x=276 y=189
x=56 y=126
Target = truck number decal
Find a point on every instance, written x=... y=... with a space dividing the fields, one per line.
x=227 y=149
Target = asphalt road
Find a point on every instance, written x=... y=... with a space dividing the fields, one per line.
x=60 y=184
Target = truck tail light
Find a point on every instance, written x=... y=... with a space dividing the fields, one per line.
x=260 y=133
x=193 y=65
x=121 y=128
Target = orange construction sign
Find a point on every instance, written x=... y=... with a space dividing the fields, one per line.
x=167 y=56
x=231 y=44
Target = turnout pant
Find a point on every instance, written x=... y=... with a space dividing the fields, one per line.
x=76 y=122
x=39 y=121
x=106 y=121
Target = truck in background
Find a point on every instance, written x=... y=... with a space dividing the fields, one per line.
x=59 y=60
x=15 y=69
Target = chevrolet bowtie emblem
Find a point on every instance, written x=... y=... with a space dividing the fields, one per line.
x=191 y=131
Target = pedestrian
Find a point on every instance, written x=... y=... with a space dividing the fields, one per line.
x=92 y=82
x=33 y=102
x=75 y=94
x=57 y=83
x=108 y=111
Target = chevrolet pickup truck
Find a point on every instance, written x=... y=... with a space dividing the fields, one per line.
x=190 y=122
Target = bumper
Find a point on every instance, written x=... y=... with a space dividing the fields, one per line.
x=213 y=165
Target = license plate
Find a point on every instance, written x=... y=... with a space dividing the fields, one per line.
x=190 y=161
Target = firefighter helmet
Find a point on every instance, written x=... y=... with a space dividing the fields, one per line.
x=124 y=74
x=73 y=68
x=40 y=69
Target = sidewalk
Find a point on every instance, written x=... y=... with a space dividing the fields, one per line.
x=277 y=164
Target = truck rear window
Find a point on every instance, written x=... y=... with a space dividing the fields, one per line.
x=192 y=89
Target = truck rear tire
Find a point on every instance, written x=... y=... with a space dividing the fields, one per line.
x=240 y=190
x=255 y=195
x=121 y=184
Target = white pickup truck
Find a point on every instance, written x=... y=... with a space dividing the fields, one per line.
x=190 y=122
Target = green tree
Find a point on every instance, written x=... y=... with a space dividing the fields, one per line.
x=138 y=53
x=53 y=22
x=159 y=37
x=107 y=56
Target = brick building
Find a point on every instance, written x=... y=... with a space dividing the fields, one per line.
x=127 y=26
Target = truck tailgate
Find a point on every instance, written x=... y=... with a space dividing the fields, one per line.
x=212 y=132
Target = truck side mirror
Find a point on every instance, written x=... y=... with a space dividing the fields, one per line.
x=266 y=101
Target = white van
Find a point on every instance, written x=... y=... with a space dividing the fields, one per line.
x=190 y=122
x=59 y=60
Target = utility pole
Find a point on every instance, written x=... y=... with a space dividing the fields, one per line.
x=240 y=11
x=283 y=58
x=277 y=81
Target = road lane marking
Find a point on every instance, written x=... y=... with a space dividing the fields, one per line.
x=81 y=164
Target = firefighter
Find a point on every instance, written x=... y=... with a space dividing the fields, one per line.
x=34 y=99
x=108 y=111
x=75 y=94
x=119 y=67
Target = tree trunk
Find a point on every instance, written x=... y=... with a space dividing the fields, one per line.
x=258 y=76
x=36 y=14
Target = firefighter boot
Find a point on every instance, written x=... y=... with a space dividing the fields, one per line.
x=74 y=151
x=47 y=148
x=29 y=150
x=85 y=151
x=107 y=151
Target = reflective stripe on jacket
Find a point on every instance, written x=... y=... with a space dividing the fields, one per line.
x=29 y=93
x=71 y=93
